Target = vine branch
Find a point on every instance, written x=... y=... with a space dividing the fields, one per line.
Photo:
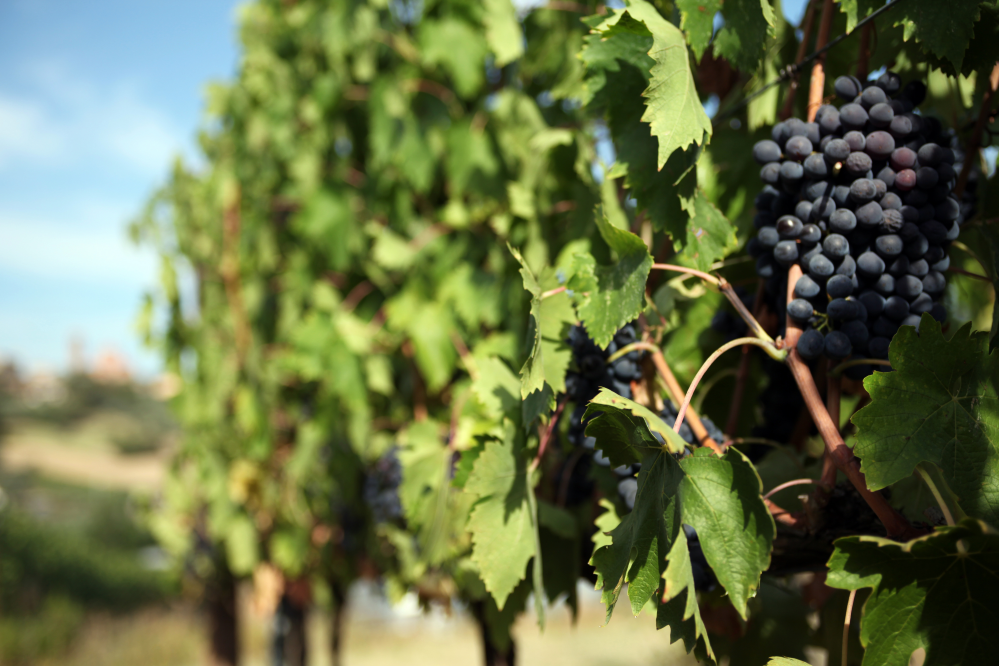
x=806 y=35
x=818 y=80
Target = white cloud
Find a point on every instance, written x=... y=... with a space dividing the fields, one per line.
x=65 y=121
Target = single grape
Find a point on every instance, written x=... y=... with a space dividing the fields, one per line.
x=878 y=347
x=908 y=287
x=829 y=123
x=873 y=301
x=948 y=210
x=889 y=246
x=810 y=234
x=884 y=284
x=766 y=151
x=839 y=286
x=786 y=252
x=853 y=116
x=810 y=344
x=847 y=87
x=770 y=173
x=816 y=167
x=896 y=308
x=815 y=190
x=910 y=214
x=921 y=303
x=841 y=309
x=872 y=96
x=857 y=332
x=842 y=221
x=780 y=134
x=881 y=115
x=798 y=147
x=791 y=175
x=921 y=267
x=768 y=237
x=934 y=283
x=789 y=227
x=927 y=177
x=902 y=158
x=837 y=150
x=934 y=253
x=932 y=154
x=935 y=232
x=890 y=82
x=899 y=266
x=880 y=189
x=806 y=287
x=883 y=327
x=858 y=164
x=813 y=133
x=795 y=127
x=841 y=195
x=939 y=266
x=856 y=140
x=911 y=320
x=887 y=176
x=822 y=208
x=837 y=345
x=870 y=215
x=869 y=265
x=862 y=190
x=880 y=145
x=905 y=180
x=916 y=247
x=954 y=231
x=891 y=201
x=835 y=247
x=803 y=210
x=900 y=127
x=847 y=267
x=820 y=268
x=799 y=310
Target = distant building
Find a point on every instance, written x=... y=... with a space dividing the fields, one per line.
x=110 y=368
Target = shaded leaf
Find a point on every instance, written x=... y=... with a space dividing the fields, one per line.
x=679 y=610
x=620 y=435
x=709 y=235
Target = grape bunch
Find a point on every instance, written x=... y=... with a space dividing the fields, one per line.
x=862 y=200
x=381 y=488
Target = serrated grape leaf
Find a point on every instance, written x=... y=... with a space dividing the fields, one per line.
x=501 y=522
x=720 y=498
x=741 y=39
x=557 y=316
x=927 y=594
x=423 y=492
x=615 y=294
x=503 y=33
x=618 y=37
x=939 y=405
x=856 y=10
x=618 y=435
x=710 y=236
x=943 y=28
x=637 y=552
x=496 y=387
x=673 y=107
x=679 y=610
x=532 y=374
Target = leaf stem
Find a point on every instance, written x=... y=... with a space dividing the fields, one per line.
x=689 y=271
x=961 y=271
x=839 y=369
x=788 y=484
x=928 y=480
x=818 y=78
x=846 y=625
x=767 y=347
x=552 y=292
x=548 y=433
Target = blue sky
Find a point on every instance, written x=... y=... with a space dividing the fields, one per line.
x=96 y=97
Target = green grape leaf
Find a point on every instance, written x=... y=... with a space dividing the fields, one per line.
x=937 y=592
x=637 y=552
x=786 y=661
x=242 y=549
x=557 y=316
x=503 y=33
x=673 y=107
x=743 y=37
x=856 y=10
x=679 y=610
x=940 y=405
x=942 y=28
x=619 y=436
x=458 y=47
x=710 y=236
x=502 y=523
x=720 y=498
x=428 y=324
x=615 y=294
x=532 y=374
x=496 y=387
x=423 y=492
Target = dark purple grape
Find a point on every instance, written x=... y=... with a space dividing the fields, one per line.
x=820 y=268
x=786 y=252
x=847 y=87
x=798 y=148
x=870 y=215
x=939 y=312
x=863 y=190
x=948 y=210
x=946 y=172
x=880 y=145
x=884 y=285
x=927 y=178
x=822 y=208
x=780 y=134
x=934 y=283
x=837 y=150
x=816 y=167
x=870 y=266
x=770 y=173
x=829 y=123
x=813 y=133
x=896 y=308
x=890 y=82
x=847 y=267
x=841 y=309
x=873 y=301
x=934 y=253
x=856 y=140
x=835 y=247
x=768 y=237
x=898 y=266
x=911 y=320
x=921 y=267
x=791 y=174
x=853 y=116
x=810 y=344
x=815 y=190
x=935 y=232
x=839 y=286
x=881 y=115
x=765 y=265
x=806 y=287
x=921 y=303
x=803 y=210
x=799 y=310
x=940 y=266
x=841 y=195
x=908 y=287
x=858 y=164
x=891 y=201
x=872 y=96
x=900 y=127
x=810 y=234
x=887 y=176
x=902 y=158
x=916 y=247
x=880 y=189
x=905 y=180
x=889 y=246
x=837 y=345
x=766 y=151
x=842 y=221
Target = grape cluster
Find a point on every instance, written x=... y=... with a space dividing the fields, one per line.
x=861 y=200
x=381 y=488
